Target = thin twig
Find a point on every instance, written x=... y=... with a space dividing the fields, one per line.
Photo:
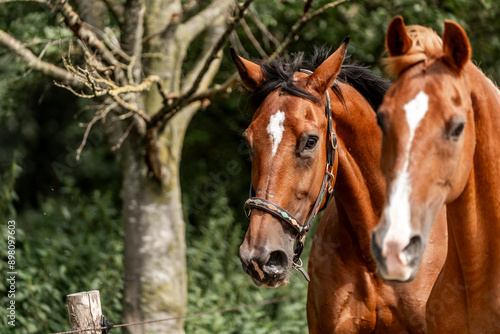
x=216 y=91
x=125 y=116
x=131 y=107
x=235 y=41
x=101 y=86
x=40 y=56
x=252 y=13
x=301 y=22
x=2 y=1
x=101 y=115
x=76 y=25
x=33 y=61
x=110 y=39
x=123 y=137
x=252 y=38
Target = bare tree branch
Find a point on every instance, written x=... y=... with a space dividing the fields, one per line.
x=224 y=88
x=307 y=6
x=101 y=85
x=170 y=109
x=301 y=22
x=133 y=31
x=145 y=85
x=252 y=13
x=235 y=42
x=3 y=1
x=200 y=22
x=252 y=38
x=48 y=44
x=99 y=115
x=109 y=37
x=74 y=22
x=326 y=7
x=34 y=62
x=216 y=91
x=212 y=36
x=117 y=9
x=91 y=12
x=123 y=137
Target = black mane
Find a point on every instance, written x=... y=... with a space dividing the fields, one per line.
x=279 y=74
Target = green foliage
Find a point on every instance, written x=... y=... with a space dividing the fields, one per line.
x=72 y=243
x=8 y=193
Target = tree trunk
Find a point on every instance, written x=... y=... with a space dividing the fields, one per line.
x=155 y=245
x=155 y=285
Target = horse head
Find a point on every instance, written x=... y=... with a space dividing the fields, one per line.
x=292 y=147
x=428 y=140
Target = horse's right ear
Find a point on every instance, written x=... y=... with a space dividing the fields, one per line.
x=397 y=40
x=250 y=73
x=456 y=46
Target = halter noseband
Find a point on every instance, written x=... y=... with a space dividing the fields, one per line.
x=326 y=188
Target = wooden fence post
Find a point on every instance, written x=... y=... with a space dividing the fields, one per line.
x=84 y=309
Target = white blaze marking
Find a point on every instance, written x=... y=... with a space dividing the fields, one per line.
x=398 y=211
x=275 y=129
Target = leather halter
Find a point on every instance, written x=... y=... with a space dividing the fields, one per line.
x=326 y=189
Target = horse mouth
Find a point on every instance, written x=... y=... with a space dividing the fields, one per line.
x=265 y=279
x=270 y=282
x=391 y=270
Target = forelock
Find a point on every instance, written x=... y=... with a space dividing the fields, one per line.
x=426 y=45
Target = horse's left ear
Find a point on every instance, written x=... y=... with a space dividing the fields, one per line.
x=250 y=72
x=456 y=47
x=327 y=72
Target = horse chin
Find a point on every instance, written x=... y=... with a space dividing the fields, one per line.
x=271 y=282
x=390 y=271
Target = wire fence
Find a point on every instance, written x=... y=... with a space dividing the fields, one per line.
x=223 y=310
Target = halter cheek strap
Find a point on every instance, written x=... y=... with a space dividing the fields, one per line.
x=322 y=199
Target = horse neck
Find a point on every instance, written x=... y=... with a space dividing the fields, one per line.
x=474 y=217
x=360 y=185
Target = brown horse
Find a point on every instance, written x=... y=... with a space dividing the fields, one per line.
x=441 y=122
x=304 y=125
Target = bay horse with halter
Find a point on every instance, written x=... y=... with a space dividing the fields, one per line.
x=312 y=131
x=441 y=122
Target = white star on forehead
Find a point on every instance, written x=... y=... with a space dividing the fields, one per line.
x=276 y=129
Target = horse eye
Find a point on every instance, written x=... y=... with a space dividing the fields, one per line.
x=311 y=143
x=456 y=129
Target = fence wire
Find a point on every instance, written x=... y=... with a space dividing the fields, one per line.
x=223 y=310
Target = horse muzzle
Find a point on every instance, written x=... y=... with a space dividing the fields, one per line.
x=267 y=269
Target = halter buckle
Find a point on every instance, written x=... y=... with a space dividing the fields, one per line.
x=297 y=264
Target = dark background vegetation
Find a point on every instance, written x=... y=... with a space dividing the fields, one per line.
x=68 y=213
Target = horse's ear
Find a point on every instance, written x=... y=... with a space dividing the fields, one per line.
x=397 y=40
x=456 y=47
x=250 y=73
x=326 y=73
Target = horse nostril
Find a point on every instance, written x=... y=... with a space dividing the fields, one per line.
x=413 y=249
x=277 y=263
